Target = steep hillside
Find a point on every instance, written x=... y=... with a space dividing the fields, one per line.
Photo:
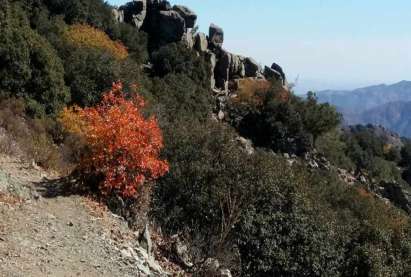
x=173 y=156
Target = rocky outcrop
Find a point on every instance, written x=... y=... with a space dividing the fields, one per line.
x=118 y=15
x=189 y=40
x=167 y=24
x=270 y=73
x=251 y=67
x=201 y=42
x=189 y=16
x=216 y=36
x=134 y=12
x=212 y=59
x=163 y=5
x=212 y=268
x=398 y=195
x=237 y=68
x=171 y=26
x=275 y=67
x=222 y=69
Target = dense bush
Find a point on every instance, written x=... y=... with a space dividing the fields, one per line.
x=334 y=148
x=29 y=66
x=94 y=12
x=211 y=179
x=318 y=118
x=178 y=59
x=285 y=221
x=176 y=96
x=122 y=146
x=81 y=35
x=89 y=72
x=280 y=121
x=136 y=42
x=342 y=231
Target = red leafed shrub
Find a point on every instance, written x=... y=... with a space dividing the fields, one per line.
x=123 y=146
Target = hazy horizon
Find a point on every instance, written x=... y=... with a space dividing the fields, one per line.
x=326 y=45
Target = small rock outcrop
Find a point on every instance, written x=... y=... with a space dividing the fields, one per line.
x=181 y=252
x=222 y=69
x=212 y=59
x=216 y=36
x=134 y=12
x=251 y=67
x=397 y=195
x=270 y=73
x=118 y=15
x=145 y=241
x=171 y=26
x=237 y=68
x=279 y=70
x=201 y=42
x=189 y=16
x=212 y=268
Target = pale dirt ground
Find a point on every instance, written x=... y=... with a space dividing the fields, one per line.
x=59 y=235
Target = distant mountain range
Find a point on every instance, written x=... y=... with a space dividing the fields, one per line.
x=386 y=105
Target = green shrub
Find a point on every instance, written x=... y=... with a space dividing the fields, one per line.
x=135 y=41
x=177 y=59
x=29 y=66
x=90 y=72
x=176 y=96
x=93 y=12
x=276 y=125
x=334 y=148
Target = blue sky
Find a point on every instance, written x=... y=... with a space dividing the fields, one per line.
x=337 y=44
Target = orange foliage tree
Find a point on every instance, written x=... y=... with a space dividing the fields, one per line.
x=82 y=35
x=123 y=146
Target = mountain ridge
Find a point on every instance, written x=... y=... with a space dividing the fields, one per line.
x=382 y=104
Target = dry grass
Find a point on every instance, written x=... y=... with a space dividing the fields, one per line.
x=28 y=138
x=254 y=91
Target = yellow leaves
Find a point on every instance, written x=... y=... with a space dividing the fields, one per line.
x=81 y=35
x=70 y=119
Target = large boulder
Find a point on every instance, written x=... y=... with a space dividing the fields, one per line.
x=164 y=6
x=135 y=12
x=270 y=73
x=200 y=42
x=171 y=26
x=251 y=67
x=189 y=16
x=145 y=241
x=237 y=68
x=118 y=15
x=188 y=39
x=222 y=70
x=212 y=59
x=216 y=36
x=278 y=69
x=398 y=195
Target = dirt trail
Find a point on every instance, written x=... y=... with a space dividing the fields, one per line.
x=61 y=235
